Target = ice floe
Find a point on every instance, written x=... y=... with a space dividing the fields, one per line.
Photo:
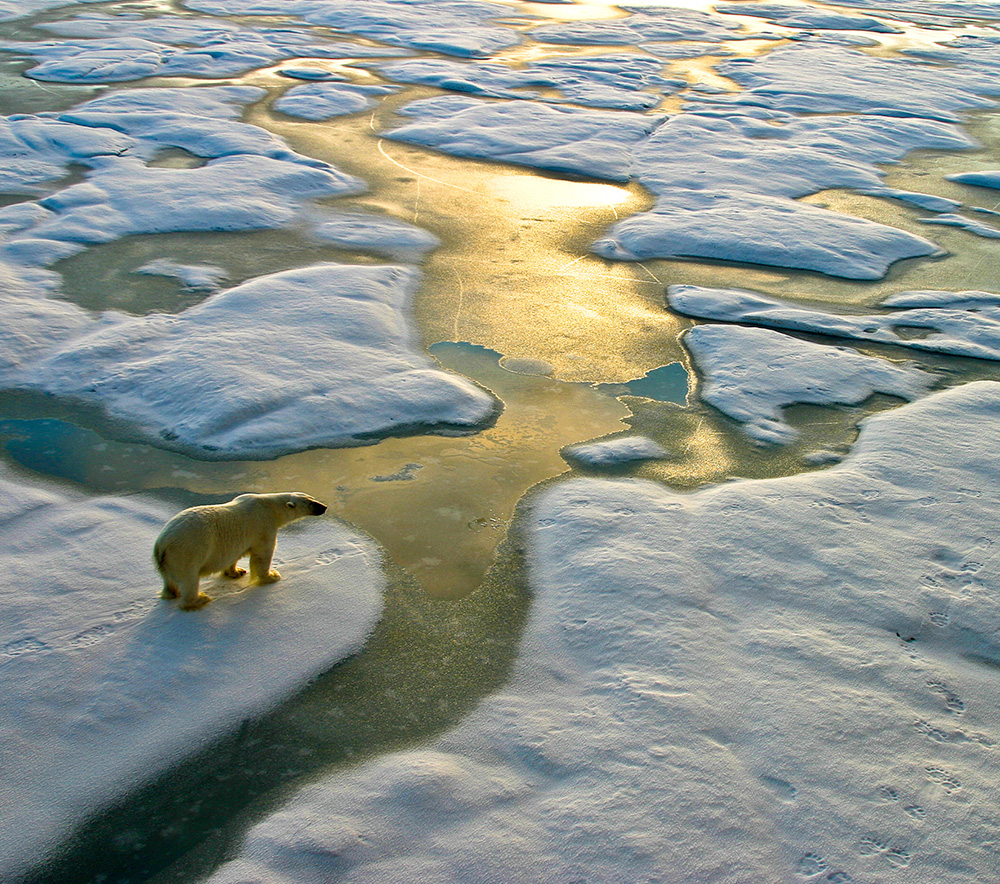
x=318 y=356
x=665 y=24
x=374 y=233
x=192 y=276
x=620 y=81
x=759 y=681
x=816 y=78
x=561 y=139
x=617 y=452
x=950 y=219
x=807 y=17
x=983 y=178
x=751 y=374
x=959 y=323
x=104 y=685
x=453 y=27
x=115 y=48
x=762 y=230
x=321 y=101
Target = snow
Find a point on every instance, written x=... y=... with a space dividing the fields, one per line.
x=984 y=178
x=621 y=451
x=751 y=374
x=779 y=680
x=105 y=685
x=321 y=101
x=318 y=356
x=808 y=17
x=116 y=48
x=622 y=81
x=979 y=228
x=584 y=142
x=191 y=276
x=667 y=24
x=958 y=323
x=375 y=233
x=762 y=230
x=453 y=27
x=817 y=78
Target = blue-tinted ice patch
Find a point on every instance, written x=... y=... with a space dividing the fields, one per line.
x=979 y=228
x=374 y=233
x=752 y=374
x=959 y=323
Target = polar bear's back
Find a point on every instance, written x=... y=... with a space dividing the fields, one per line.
x=210 y=538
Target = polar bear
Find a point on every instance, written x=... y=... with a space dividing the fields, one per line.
x=211 y=539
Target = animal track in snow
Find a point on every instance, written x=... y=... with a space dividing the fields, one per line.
x=812 y=864
x=887 y=793
x=954 y=703
x=915 y=811
x=27 y=645
x=947 y=781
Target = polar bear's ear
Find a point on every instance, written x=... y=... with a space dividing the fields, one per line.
x=290 y=504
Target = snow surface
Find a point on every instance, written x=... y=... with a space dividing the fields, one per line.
x=751 y=374
x=192 y=276
x=666 y=23
x=318 y=356
x=104 y=685
x=618 y=81
x=453 y=27
x=780 y=680
x=958 y=323
x=817 y=78
x=808 y=17
x=561 y=139
x=984 y=178
x=321 y=101
x=615 y=452
x=115 y=48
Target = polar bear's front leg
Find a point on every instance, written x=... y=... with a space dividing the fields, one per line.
x=260 y=563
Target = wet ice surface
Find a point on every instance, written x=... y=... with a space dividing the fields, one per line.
x=104 y=685
x=787 y=679
x=758 y=681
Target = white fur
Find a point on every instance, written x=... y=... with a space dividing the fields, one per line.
x=212 y=539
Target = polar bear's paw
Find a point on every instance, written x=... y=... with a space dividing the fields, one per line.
x=272 y=577
x=169 y=592
x=199 y=601
x=234 y=571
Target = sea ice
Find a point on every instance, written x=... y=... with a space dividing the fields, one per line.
x=760 y=681
x=984 y=178
x=374 y=233
x=751 y=374
x=615 y=452
x=807 y=17
x=959 y=323
x=192 y=276
x=979 y=228
x=104 y=685
x=620 y=81
x=452 y=27
x=321 y=101
x=562 y=139
x=762 y=230
x=823 y=79
x=666 y=24
x=318 y=356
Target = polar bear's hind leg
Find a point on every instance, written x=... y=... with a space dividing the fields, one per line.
x=234 y=571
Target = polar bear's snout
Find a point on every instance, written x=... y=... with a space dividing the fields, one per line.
x=212 y=539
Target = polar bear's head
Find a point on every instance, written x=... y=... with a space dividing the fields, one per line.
x=284 y=507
